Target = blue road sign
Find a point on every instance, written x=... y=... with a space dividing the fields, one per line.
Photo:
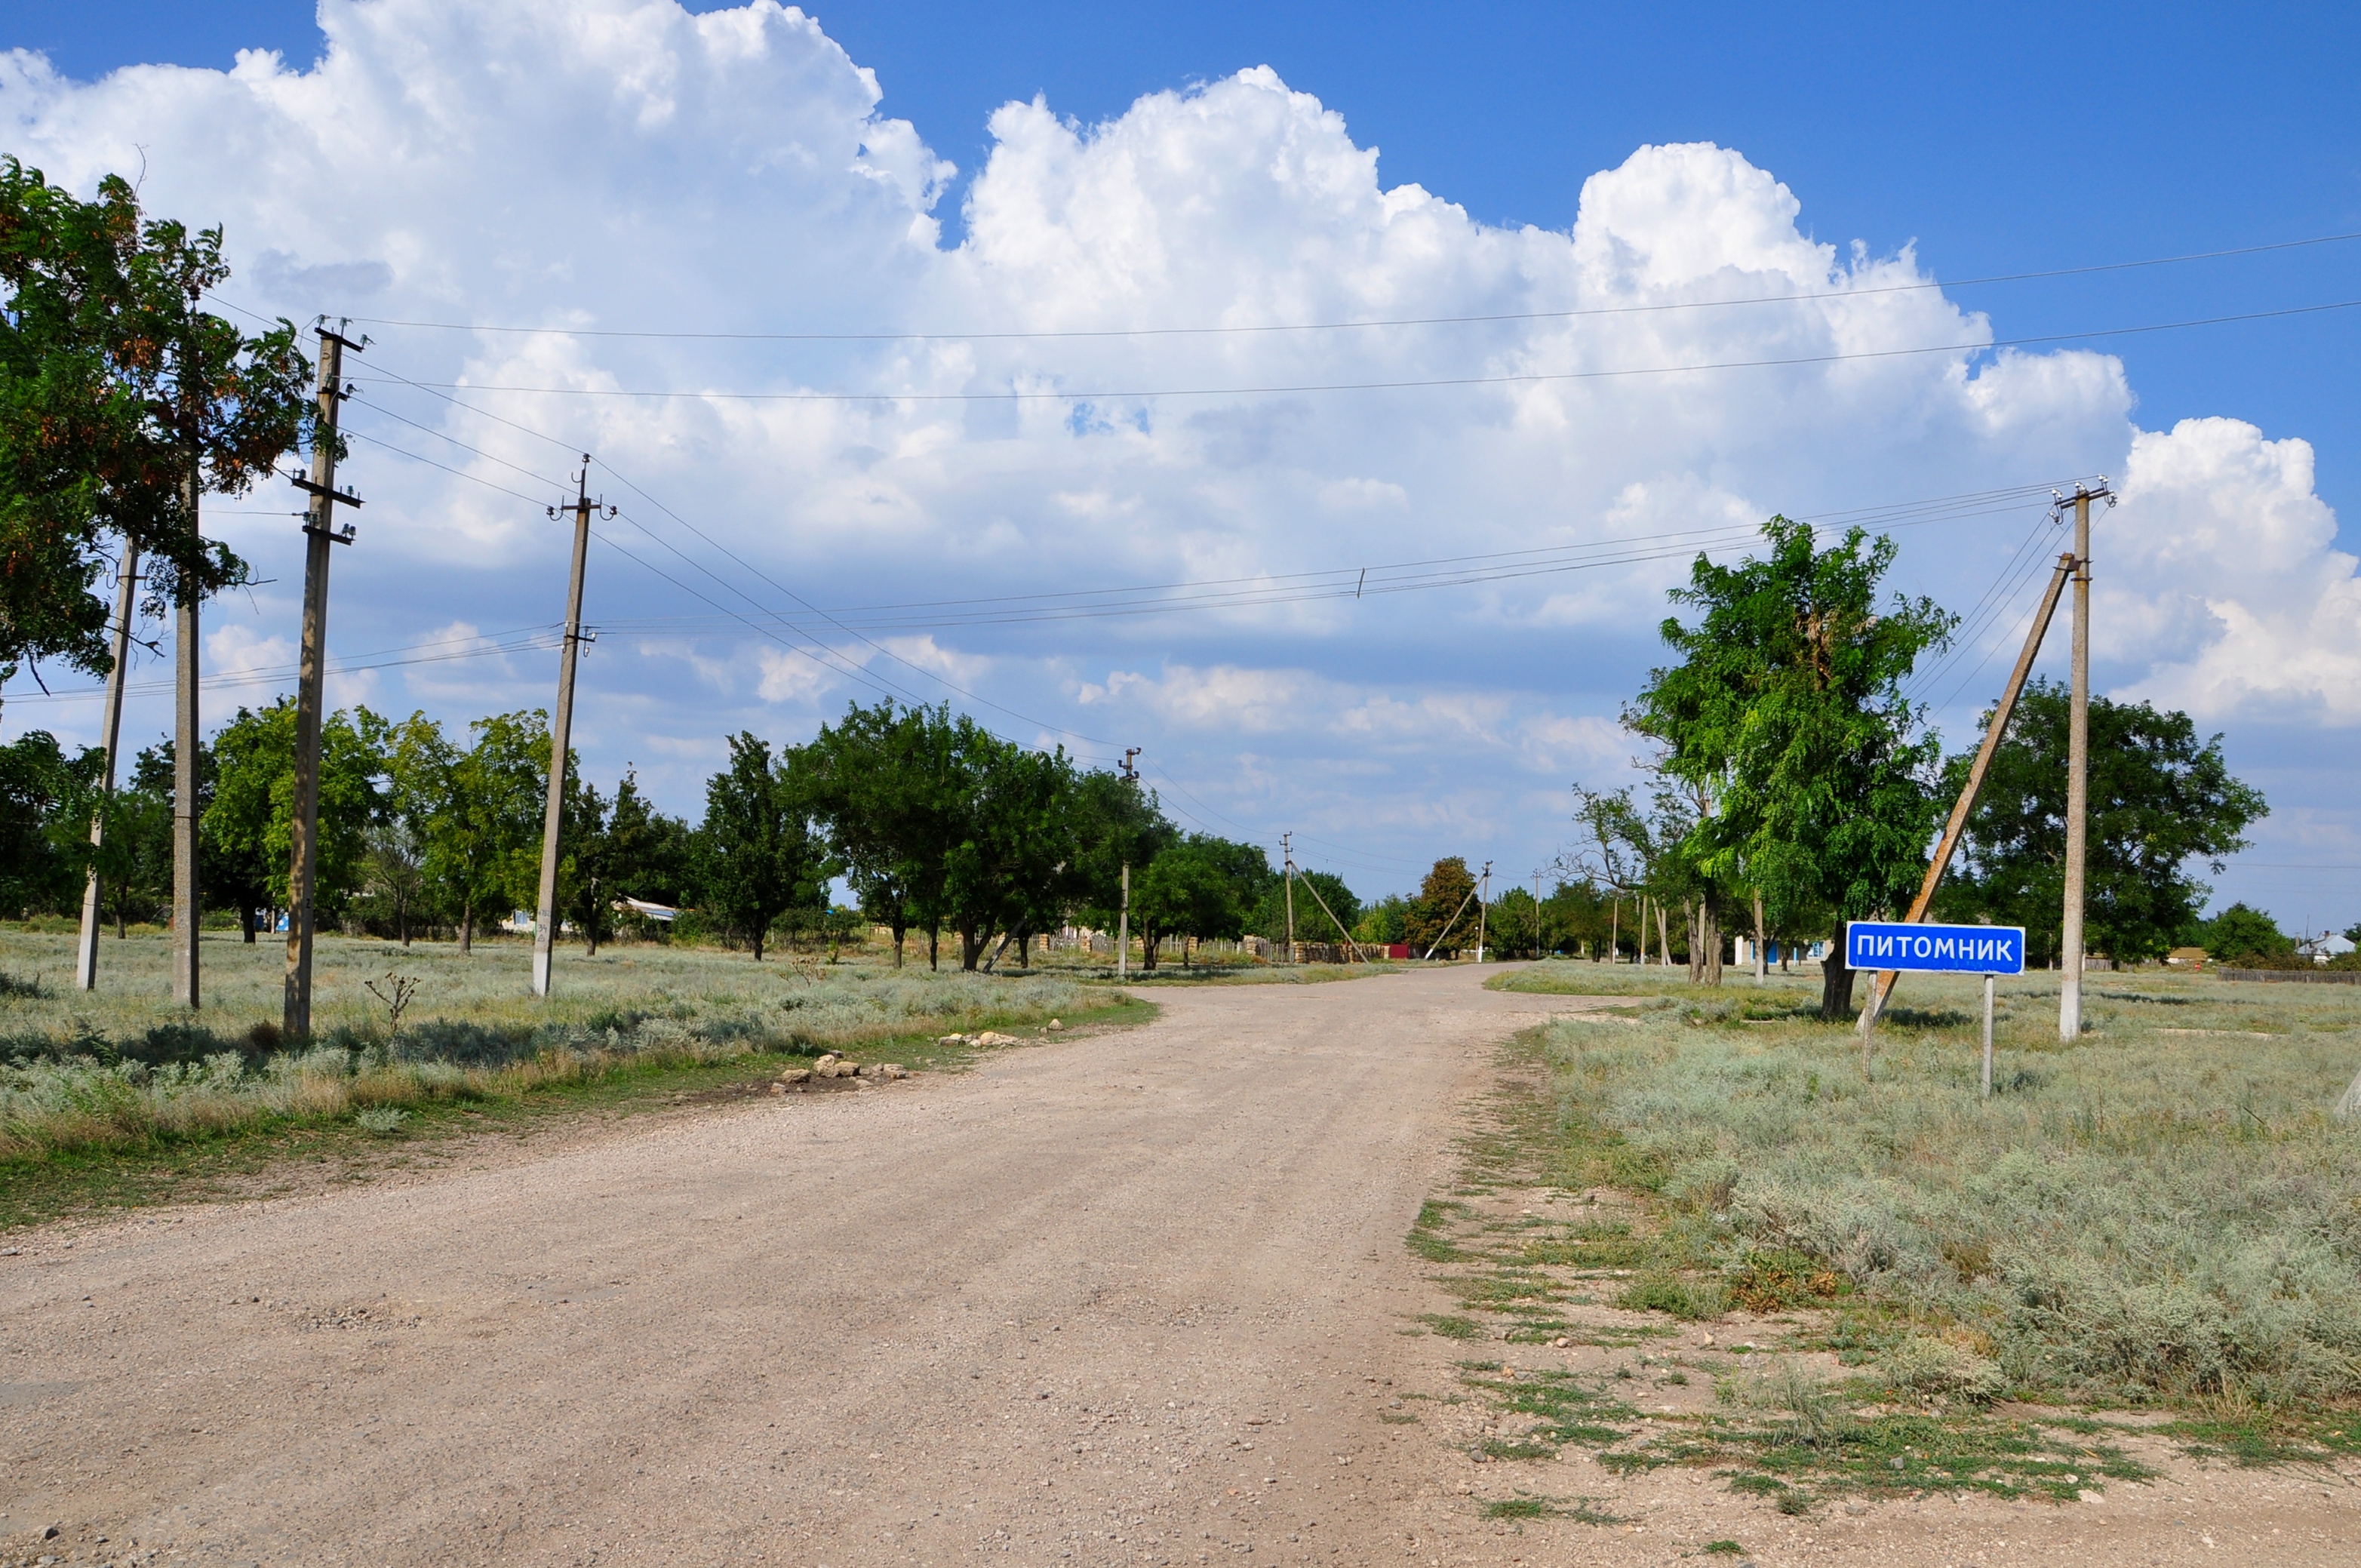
x=1941 y=949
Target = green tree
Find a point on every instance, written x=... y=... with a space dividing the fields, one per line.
x=647 y=853
x=757 y=857
x=2241 y=932
x=478 y=812
x=1006 y=870
x=1268 y=912
x=249 y=824
x=1786 y=713
x=1384 y=923
x=1190 y=890
x=1117 y=823
x=2158 y=800
x=880 y=781
x=40 y=867
x=1444 y=910
x=121 y=401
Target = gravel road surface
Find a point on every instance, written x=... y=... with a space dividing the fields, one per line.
x=1134 y=1298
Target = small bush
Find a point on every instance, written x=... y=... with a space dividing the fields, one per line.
x=1694 y=1301
x=382 y=1120
x=1924 y=1367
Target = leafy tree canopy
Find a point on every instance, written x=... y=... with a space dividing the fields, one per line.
x=2159 y=800
x=1815 y=775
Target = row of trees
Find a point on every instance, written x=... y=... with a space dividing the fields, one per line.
x=938 y=825
x=1797 y=785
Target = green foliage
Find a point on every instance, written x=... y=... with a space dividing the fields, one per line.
x=1445 y=910
x=2158 y=800
x=1267 y=917
x=478 y=812
x=1813 y=773
x=39 y=868
x=756 y=856
x=248 y=823
x=2240 y=933
x=121 y=402
x=1193 y=889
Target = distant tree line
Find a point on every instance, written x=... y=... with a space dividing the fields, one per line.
x=940 y=828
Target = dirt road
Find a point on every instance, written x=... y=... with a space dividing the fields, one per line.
x=1138 y=1297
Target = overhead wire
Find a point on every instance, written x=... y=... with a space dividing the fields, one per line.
x=1526 y=377
x=1238 y=329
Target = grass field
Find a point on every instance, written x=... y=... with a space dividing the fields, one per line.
x=2164 y=1214
x=114 y=1096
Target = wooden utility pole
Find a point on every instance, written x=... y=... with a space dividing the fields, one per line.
x=544 y=920
x=86 y=951
x=320 y=532
x=185 y=744
x=1881 y=988
x=1287 y=880
x=2078 y=773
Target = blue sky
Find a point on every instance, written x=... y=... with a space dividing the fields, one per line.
x=2016 y=139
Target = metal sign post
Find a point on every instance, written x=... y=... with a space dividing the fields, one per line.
x=1909 y=946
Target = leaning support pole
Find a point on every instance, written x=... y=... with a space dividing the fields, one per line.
x=1882 y=989
x=1462 y=910
x=1350 y=946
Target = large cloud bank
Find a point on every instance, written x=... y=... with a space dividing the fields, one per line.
x=612 y=166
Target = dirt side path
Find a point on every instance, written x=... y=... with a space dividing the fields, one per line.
x=1139 y=1298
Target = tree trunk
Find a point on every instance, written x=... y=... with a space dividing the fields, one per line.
x=899 y=931
x=245 y=922
x=466 y=929
x=1758 y=959
x=762 y=929
x=1664 y=942
x=1147 y=943
x=1710 y=919
x=934 y=947
x=1024 y=950
x=402 y=917
x=1695 y=913
x=1836 y=986
x=971 y=948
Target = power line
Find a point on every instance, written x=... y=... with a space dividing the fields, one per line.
x=1407 y=384
x=1238 y=330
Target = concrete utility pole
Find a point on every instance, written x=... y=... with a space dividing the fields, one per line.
x=1123 y=927
x=2078 y=770
x=544 y=919
x=1537 y=916
x=185 y=742
x=1483 y=908
x=1286 y=853
x=320 y=532
x=86 y=951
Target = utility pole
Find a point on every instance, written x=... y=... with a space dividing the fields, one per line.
x=1123 y=926
x=1537 y=916
x=86 y=951
x=1130 y=774
x=1287 y=853
x=2078 y=770
x=1483 y=908
x=185 y=742
x=544 y=919
x=320 y=532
